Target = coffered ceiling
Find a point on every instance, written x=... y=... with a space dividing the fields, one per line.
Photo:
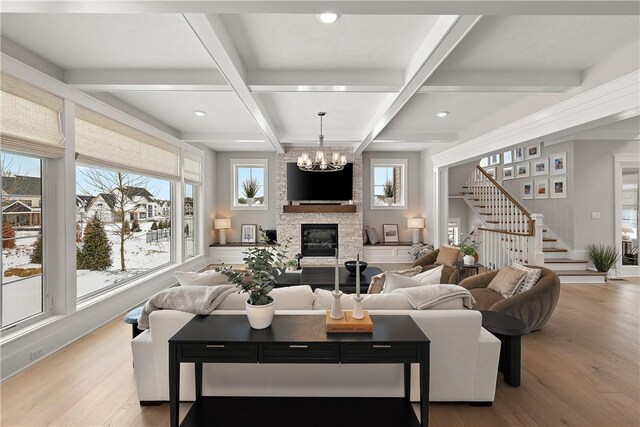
x=262 y=70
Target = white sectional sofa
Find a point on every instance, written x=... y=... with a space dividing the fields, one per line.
x=464 y=356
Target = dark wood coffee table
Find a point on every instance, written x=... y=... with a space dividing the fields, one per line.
x=324 y=278
x=298 y=339
x=508 y=330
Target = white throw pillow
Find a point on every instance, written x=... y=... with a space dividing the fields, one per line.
x=206 y=278
x=324 y=300
x=396 y=281
x=530 y=279
x=430 y=277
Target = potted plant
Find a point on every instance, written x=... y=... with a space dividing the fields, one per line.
x=262 y=262
x=292 y=266
x=250 y=188
x=604 y=258
x=388 y=190
x=469 y=247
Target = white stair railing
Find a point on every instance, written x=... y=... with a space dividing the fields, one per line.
x=511 y=234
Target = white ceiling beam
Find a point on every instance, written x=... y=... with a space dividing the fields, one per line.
x=216 y=40
x=501 y=81
x=443 y=38
x=202 y=137
x=377 y=7
x=321 y=81
x=147 y=80
x=418 y=136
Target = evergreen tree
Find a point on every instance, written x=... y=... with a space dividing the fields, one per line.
x=8 y=236
x=186 y=230
x=96 y=251
x=78 y=232
x=161 y=225
x=127 y=227
x=135 y=226
x=154 y=225
x=36 y=255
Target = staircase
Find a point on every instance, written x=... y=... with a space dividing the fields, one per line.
x=509 y=233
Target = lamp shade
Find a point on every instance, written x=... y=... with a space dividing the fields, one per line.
x=627 y=229
x=415 y=222
x=221 y=223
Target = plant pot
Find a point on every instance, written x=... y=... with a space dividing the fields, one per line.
x=468 y=260
x=388 y=201
x=250 y=201
x=260 y=316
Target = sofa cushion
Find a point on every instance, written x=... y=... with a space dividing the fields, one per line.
x=288 y=298
x=532 y=275
x=430 y=277
x=324 y=300
x=507 y=279
x=396 y=281
x=377 y=282
x=448 y=255
x=485 y=298
x=206 y=278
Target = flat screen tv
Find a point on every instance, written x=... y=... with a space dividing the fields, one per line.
x=319 y=186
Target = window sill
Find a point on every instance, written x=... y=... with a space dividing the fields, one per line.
x=389 y=208
x=18 y=333
x=250 y=208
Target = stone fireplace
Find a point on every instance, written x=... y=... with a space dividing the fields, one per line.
x=318 y=240
x=349 y=225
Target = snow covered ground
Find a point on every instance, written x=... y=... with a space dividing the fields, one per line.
x=22 y=297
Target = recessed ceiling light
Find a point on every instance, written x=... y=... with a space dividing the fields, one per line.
x=442 y=114
x=328 y=18
x=199 y=113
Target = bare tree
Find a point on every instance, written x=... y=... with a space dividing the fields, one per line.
x=118 y=188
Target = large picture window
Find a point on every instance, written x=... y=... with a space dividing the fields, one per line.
x=123 y=227
x=22 y=238
x=249 y=184
x=388 y=184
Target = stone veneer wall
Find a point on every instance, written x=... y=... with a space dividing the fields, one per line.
x=349 y=224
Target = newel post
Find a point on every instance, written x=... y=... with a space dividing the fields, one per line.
x=538 y=255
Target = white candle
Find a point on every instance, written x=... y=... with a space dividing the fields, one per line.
x=337 y=278
x=358 y=274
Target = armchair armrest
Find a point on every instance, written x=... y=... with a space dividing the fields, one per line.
x=428 y=259
x=479 y=280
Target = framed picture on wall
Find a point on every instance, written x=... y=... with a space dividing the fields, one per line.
x=558 y=163
x=507 y=157
x=507 y=172
x=494 y=159
x=540 y=167
x=390 y=233
x=526 y=190
x=558 y=187
x=533 y=151
x=248 y=233
x=542 y=188
x=491 y=172
x=518 y=154
x=522 y=170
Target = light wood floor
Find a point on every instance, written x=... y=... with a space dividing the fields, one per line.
x=581 y=369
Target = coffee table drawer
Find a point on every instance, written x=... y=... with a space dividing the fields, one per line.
x=299 y=353
x=237 y=353
x=379 y=353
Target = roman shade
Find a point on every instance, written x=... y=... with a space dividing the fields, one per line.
x=104 y=142
x=192 y=168
x=29 y=119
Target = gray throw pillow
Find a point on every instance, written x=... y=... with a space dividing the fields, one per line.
x=365 y=237
x=373 y=235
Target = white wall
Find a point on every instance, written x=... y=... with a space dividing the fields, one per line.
x=415 y=180
x=264 y=218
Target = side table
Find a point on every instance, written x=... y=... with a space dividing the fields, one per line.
x=508 y=330
x=460 y=265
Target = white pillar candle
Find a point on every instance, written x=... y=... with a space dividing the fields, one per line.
x=337 y=278
x=358 y=274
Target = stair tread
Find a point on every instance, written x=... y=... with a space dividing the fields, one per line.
x=553 y=250
x=579 y=273
x=549 y=239
x=564 y=261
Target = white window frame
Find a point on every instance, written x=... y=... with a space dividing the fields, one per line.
x=46 y=223
x=238 y=163
x=196 y=220
x=403 y=164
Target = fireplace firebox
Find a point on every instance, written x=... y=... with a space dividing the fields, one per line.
x=319 y=240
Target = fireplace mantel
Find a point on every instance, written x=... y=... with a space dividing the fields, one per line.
x=319 y=208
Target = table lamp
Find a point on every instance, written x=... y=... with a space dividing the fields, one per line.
x=627 y=231
x=222 y=224
x=417 y=224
